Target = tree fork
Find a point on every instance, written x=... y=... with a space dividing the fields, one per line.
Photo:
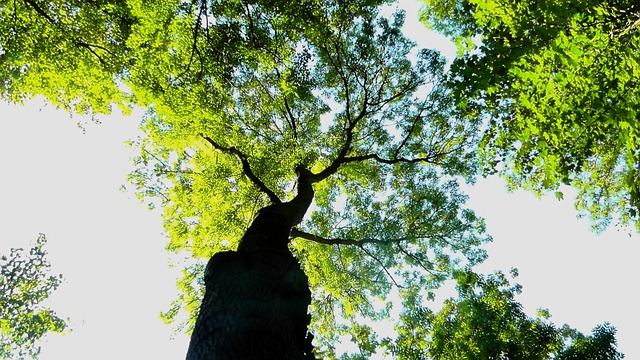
x=256 y=298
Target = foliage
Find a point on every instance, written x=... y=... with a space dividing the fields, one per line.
x=557 y=83
x=601 y=345
x=489 y=324
x=245 y=96
x=24 y=285
x=486 y=321
x=66 y=51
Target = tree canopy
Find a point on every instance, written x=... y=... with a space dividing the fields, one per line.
x=246 y=99
x=486 y=321
x=557 y=83
x=25 y=283
x=242 y=98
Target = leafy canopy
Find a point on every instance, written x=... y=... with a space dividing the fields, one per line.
x=242 y=98
x=486 y=321
x=24 y=284
x=557 y=82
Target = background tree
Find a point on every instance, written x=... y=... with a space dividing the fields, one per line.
x=486 y=321
x=246 y=97
x=601 y=345
x=556 y=82
x=24 y=284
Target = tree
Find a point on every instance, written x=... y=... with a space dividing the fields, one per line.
x=317 y=112
x=256 y=299
x=556 y=82
x=486 y=321
x=24 y=285
x=599 y=346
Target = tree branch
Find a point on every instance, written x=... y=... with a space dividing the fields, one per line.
x=383 y=267
x=194 y=46
x=292 y=122
x=246 y=168
x=295 y=232
x=376 y=157
x=90 y=46
x=339 y=160
x=415 y=258
x=416 y=119
x=352 y=122
x=40 y=11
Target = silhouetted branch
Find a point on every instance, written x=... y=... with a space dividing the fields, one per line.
x=246 y=168
x=295 y=232
x=40 y=11
x=382 y=265
x=90 y=46
x=376 y=157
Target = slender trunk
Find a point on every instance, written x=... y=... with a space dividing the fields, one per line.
x=256 y=298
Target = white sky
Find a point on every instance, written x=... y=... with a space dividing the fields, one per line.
x=109 y=247
x=61 y=182
x=56 y=180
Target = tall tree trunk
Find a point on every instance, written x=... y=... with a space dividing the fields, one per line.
x=256 y=298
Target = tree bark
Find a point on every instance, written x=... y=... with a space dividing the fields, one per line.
x=256 y=298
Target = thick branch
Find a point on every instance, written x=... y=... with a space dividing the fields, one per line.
x=246 y=168
x=352 y=122
x=292 y=121
x=339 y=160
x=379 y=159
x=342 y=155
x=295 y=209
x=295 y=232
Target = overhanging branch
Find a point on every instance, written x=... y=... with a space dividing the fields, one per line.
x=384 y=267
x=376 y=157
x=295 y=232
x=246 y=168
x=343 y=159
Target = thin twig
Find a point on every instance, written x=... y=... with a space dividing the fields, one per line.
x=383 y=266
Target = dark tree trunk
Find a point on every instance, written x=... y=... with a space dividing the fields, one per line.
x=256 y=298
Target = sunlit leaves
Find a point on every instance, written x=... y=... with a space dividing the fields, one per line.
x=24 y=284
x=486 y=322
x=71 y=52
x=241 y=94
x=557 y=84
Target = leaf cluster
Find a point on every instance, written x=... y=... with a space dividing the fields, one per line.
x=486 y=321
x=556 y=83
x=70 y=52
x=24 y=285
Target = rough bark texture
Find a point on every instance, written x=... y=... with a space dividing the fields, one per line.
x=256 y=298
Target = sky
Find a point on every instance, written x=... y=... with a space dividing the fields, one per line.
x=58 y=181
x=65 y=183
x=61 y=181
